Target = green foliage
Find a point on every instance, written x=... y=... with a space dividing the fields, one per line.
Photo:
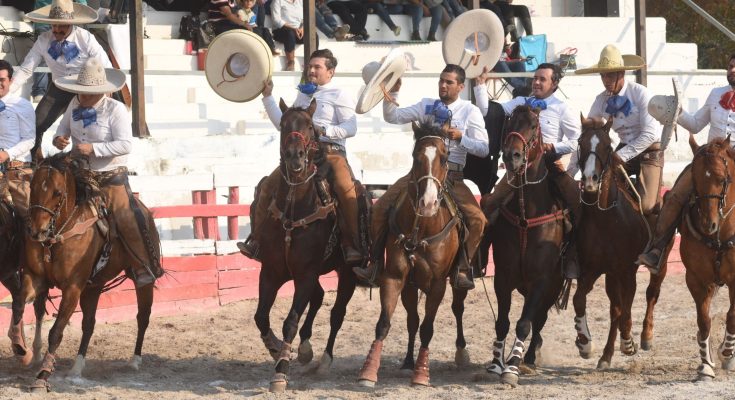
x=683 y=24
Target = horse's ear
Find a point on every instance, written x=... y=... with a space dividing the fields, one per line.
x=582 y=119
x=608 y=124
x=693 y=143
x=446 y=126
x=282 y=105
x=415 y=128
x=312 y=107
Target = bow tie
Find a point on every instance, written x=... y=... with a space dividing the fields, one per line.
x=68 y=49
x=727 y=101
x=618 y=104
x=2 y=106
x=536 y=103
x=88 y=115
x=440 y=112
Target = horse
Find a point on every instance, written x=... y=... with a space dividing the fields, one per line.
x=302 y=245
x=527 y=241
x=422 y=242
x=707 y=237
x=67 y=240
x=11 y=235
x=610 y=234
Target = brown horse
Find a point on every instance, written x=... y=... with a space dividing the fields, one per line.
x=66 y=239
x=527 y=242
x=611 y=233
x=707 y=238
x=302 y=245
x=422 y=243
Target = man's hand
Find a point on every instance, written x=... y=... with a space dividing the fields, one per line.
x=268 y=88
x=60 y=142
x=397 y=87
x=84 y=149
x=484 y=76
x=548 y=147
x=4 y=156
x=454 y=134
x=299 y=33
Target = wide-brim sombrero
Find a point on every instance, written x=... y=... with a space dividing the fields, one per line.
x=474 y=40
x=380 y=77
x=666 y=109
x=115 y=80
x=239 y=63
x=81 y=15
x=611 y=60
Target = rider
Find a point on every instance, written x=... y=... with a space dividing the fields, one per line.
x=468 y=135
x=335 y=119
x=719 y=112
x=560 y=129
x=99 y=127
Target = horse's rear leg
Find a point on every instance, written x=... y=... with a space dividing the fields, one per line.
x=627 y=288
x=652 y=293
x=144 y=296
x=345 y=290
x=461 y=356
x=426 y=332
x=702 y=295
x=614 y=294
x=503 y=291
x=532 y=306
x=534 y=348
x=88 y=303
x=390 y=288
x=305 y=353
x=584 y=337
x=410 y=300
x=267 y=291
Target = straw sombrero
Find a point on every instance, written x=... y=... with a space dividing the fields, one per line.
x=665 y=109
x=63 y=12
x=239 y=63
x=474 y=40
x=611 y=61
x=380 y=77
x=93 y=78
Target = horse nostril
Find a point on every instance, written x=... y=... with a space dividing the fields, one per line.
x=713 y=227
x=594 y=177
x=516 y=155
x=301 y=154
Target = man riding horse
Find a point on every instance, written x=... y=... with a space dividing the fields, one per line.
x=335 y=118
x=560 y=128
x=719 y=112
x=468 y=135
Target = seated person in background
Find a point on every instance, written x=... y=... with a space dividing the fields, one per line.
x=288 y=18
x=248 y=15
x=510 y=12
x=223 y=17
x=417 y=10
x=376 y=7
x=352 y=13
x=434 y=9
x=325 y=22
x=454 y=8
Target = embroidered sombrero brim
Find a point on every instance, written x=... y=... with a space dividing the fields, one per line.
x=239 y=63
x=82 y=15
x=665 y=109
x=115 y=81
x=390 y=70
x=631 y=62
x=474 y=40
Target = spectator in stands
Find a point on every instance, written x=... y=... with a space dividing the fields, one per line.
x=454 y=8
x=223 y=16
x=378 y=8
x=434 y=9
x=510 y=12
x=325 y=22
x=288 y=18
x=248 y=14
x=352 y=13
x=417 y=10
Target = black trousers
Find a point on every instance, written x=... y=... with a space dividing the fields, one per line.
x=352 y=13
x=49 y=109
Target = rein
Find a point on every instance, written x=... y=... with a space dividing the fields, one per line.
x=528 y=146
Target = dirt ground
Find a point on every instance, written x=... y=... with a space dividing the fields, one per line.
x=219 y=355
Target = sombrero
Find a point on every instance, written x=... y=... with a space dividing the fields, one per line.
x=474 y=40
x=666 y=109
x=239 y=63
x=63 y=12
x=611 y=61
x=380 y=77
x=93 y=78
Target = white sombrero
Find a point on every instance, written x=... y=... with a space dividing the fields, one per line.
x=239 y=63
x=474 y=40
x=611 y=60
x=63 y=12
x=666 y=109
x=380 y=77
x=93 y=78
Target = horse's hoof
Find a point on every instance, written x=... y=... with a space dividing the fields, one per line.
x=628 y=347
x=324 y=364
x=646 y=345
x=135 y=363
x=585 y=349
x=366 y=383
x=494 y=369
x=306 y=354
x=603 y=365
x=420 y=382
x=509 y=378
x=40 y=386
x=705 y=373
x=76 y=371
x=408 y=365
x=462 y=357
x=25 y=360
x=278 y=383
x=527 y=369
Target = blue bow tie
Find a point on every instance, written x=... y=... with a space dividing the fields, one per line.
x=440 y=112
x=536 y=103
x=618 y=104
x=308 y=88
x=87 y=114
x=68 y=49
x=2 y=106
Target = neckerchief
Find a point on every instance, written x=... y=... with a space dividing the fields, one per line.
x=618 y=104
x=440 y=112
x=727 y=101
x=67 y=48
x=536 y=103
x=88 y=115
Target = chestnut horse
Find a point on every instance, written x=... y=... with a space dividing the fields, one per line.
x=65 y=241
x=527 y=242
x=302 y=245
x=707 y=239
x=610 y=234
x=422 y=242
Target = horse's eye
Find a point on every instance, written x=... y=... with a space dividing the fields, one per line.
x=57 y=193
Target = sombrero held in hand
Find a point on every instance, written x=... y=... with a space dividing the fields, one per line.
x=666 y=110
x=474 y=40
x=379 y=78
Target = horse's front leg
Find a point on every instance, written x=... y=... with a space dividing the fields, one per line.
x=584 y=337
x=410 y=300
x=531 y=307
x=88 y=303
x=503 y=291
x=39 y=309
x=627 y=286
x=426 y=333
x=461 y=356
x=702 y=295
x=268 y=286
x=613 y=290
x=726 y=351
x=345 y=290
x=652 y=293
x=305 y=352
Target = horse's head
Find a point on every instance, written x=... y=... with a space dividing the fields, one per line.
x=712 y=170
x=299 y=140
x=429 y=168
x=522 y=144
x=595 y=152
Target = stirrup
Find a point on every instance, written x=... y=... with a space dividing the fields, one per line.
x=369 y=274
x=250 y=248
x=651 y=261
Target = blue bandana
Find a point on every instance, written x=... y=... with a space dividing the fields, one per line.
x=68 y=49
x=88 y=115
x=308 y=88
x=618 y=104
x=536 y=103
x=2 y=106
x=440 y=112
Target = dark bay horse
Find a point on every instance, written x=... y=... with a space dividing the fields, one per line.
x=302 y=245
x=65 y=240
x=707 y=238
x=11 y=239
x=527 y=241
x=611 y=233
x=421 y=245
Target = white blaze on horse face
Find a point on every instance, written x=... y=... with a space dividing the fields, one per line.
x=428 y=201
x=589 y=167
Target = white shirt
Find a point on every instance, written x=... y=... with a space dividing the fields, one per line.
x=639 y=129
x=85 y=42
x=285 y=12
x=17 y=128
x=466 y=117
x=335 y=112
x=721 y=121
x=111 y=136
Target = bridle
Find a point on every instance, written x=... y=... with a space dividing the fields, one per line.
x=528 y=147
x=55 y=212
x=605 y=166
x=721 y=197
x=309 y=147
x=428 y=177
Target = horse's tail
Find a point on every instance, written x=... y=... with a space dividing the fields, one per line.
x=563 y=300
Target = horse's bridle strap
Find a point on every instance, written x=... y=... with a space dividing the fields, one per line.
x=322 y=212
x=78 y=229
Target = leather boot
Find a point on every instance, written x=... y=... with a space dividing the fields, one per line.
x=250 y=248
x=462 y=278
x=571 y=264
x=290 y=61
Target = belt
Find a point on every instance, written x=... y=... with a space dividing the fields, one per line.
x=15 y=164
x=455 y=167
x=334 y=147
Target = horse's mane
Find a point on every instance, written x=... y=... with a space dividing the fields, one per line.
x=84 y=182
x=427 y=128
